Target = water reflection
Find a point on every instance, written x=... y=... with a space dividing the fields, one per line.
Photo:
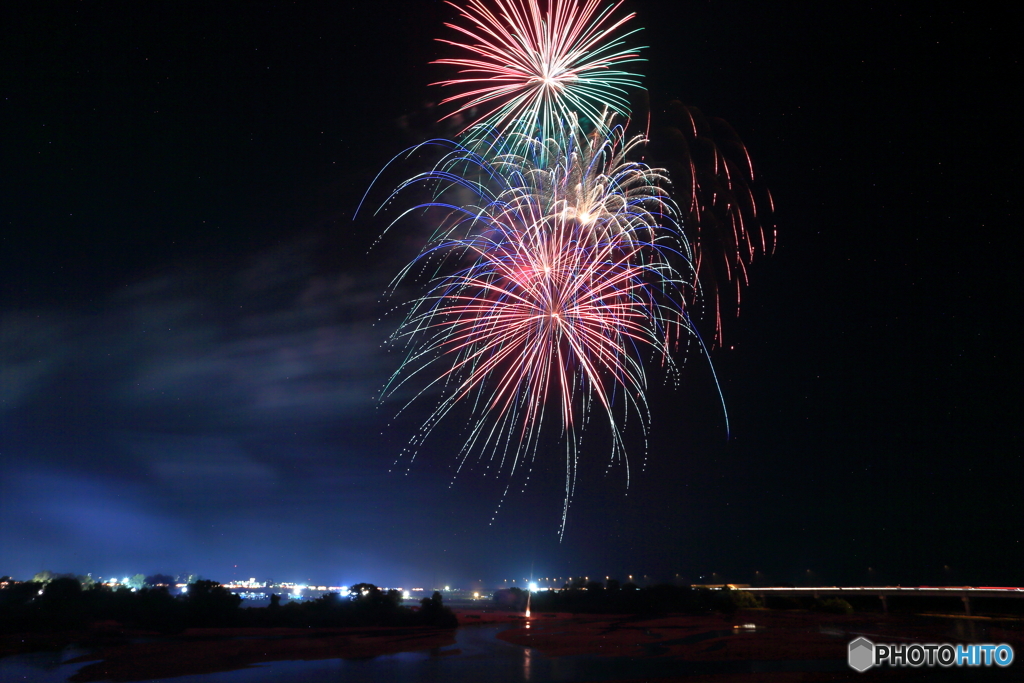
x=478 y=655
x=41 y=667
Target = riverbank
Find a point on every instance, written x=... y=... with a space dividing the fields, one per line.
x=750 y=645
x=211 y=650
x=778 y=645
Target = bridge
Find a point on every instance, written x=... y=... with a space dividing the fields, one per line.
x=965 y=593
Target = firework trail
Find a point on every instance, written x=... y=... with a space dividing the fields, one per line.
x=590 y=179
x=553 y=288
x=538 y=71
x=556 y=270
x=529 y=67
x=726 y=209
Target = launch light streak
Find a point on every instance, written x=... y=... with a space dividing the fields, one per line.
x=533 y=63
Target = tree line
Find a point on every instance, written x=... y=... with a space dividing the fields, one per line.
x=63 y=603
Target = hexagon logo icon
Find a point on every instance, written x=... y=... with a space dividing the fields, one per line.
x=862 y=654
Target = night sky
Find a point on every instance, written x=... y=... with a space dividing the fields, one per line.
x=190 y=351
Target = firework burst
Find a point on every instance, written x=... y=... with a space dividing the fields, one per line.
x=555 y=271
x=555 y=287
x=532 y=64
x=591 y=180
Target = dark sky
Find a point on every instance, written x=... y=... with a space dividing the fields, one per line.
x=189 y=358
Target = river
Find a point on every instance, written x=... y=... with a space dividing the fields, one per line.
x=477 y=655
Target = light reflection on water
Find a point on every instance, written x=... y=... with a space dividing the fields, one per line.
x=478 y=654
x=41 y=667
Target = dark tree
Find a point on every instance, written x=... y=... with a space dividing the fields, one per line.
x=19 y=593
x=364 y=591
x=61 y=605
x=369 y=594
x=62 y=590
x=160 y=580
x=393 y=597
x=210 y=603
x=433 y=611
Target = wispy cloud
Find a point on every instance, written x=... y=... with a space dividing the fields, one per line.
x=276 y=341
x=155 y=425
